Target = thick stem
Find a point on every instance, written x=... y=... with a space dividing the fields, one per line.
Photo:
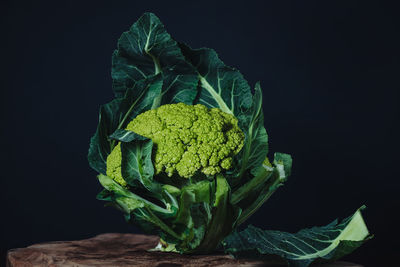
x=244 y=190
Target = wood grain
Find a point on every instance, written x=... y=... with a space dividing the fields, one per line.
x=122 y=250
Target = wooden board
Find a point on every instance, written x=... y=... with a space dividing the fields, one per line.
x=121 y=250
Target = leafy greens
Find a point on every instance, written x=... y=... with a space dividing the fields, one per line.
x=197 y=215
x=320 y=244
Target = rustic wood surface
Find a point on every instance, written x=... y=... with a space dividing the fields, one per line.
x=121 y=250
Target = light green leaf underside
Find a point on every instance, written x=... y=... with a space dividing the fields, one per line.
x=308 y=245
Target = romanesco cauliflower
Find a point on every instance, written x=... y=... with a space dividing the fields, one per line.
x=188 y=139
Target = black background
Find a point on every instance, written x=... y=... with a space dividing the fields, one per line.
x=330 y=76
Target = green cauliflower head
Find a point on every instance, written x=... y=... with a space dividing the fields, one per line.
x=187 y=138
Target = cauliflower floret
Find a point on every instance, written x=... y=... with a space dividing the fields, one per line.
x=114 y=165
x=188 y=139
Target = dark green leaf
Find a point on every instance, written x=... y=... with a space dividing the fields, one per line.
x=152 y=224
x=249 y=190
x=100 y=145
x=104 y=195
x=116 y=115
x=140 y=98
x=252 y=195
x=126 y=136
x=145 y=50
x=323 y=243
x=179 y=86
x=222 y=219
x=222 y=87
x=255 y=147
x=96 y=159
x=137 y=165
